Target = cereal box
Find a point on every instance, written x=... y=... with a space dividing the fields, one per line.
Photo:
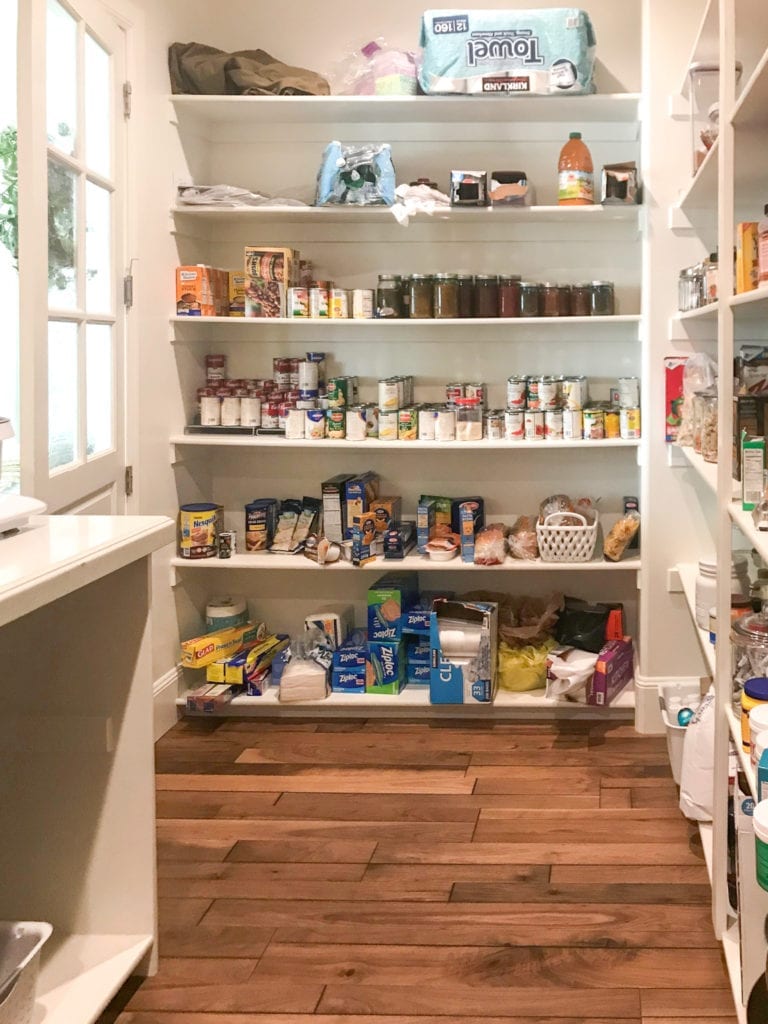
x=196 y=291
x=746 y=257
x=673 y=373
x=614 y=670
x=269 y=273
x=388 y=599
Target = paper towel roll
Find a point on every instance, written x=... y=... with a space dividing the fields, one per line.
x=223 y=612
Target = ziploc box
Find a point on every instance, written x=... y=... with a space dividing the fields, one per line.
x=615 y=668
x=673 y=377
x=388 y=601
x=335 y=507
x=418 y=674
x=385 y=670
x=349 y=680
x=417 y=651
x=353 y=652
x=455 y=679
x=417 y=619
x=269 y=272
x=507 y=52
x=359 y=492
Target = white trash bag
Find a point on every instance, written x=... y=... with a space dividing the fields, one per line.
x=698 y=770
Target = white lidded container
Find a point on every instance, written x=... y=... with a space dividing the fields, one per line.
x=20 y=945
x=706 y=585
x=758 y=725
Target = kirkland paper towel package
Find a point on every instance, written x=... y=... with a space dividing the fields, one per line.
x=540 y=52
x=464 y=642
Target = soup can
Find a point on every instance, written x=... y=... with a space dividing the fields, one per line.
x=230 y=411
x=388 y=422
x=445 y=427
x=318 y=303
x=371 y=420
x=295 y=423
x=594 y=424
x=573 y=425
x=630 y=424
x=574 y=392
x=363 y=304
x=308 y=376
x=314 y=424
x=553 y=424
x=533 y=393
x=270 y=412
x=534 y=425
x=427 y=423
x=517 y=392
x=215 y=368
x=389 y=394
x=198 y=529
x=336 y=425
x=514 y=425
x=475 y=391
x=612 y=424
x=629 y=392
x=356 y=423
x=281 y=372
x=227 y=543
x=407 y=424
x=210 y=409
x=298 y=302
x=494 y=425
x=250 y=411
x=453 y=391
x=338 y=304
x=549 y=393
x=337 y=392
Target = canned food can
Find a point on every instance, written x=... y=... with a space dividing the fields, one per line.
x=475 y=391
x=453 y=391
x=308 y=376
x=295 y=421
x=356 y=423
x=336 y=426
x=363 y=304
x=306 y=403
x=574 y=392
x=227 y=543
x=308 y=395
x=197 y=530
x=210 y=411
x=298 y=302
x=514 y=425
x=594 y=425
x=407 y=424
x=494 y=425
x=553 y=424
x=517 y=392
x=353 y=384
x=388 y=422
x=270 y=412
x=630 y=424
x=629 y=392
x=314 y=424
x=318 y=303
x=445 y=427
x=281 y=372
x=319 y=358
x=337 y=392
x=250 y=411
x=534 y=425
x=283 y=409
x=549 y=393
x=230 y=411
x=372 y=421
x=407 y=390
x=573 y=425
x=338 y=304
x=427 y=423
x=389 y=394
x=294 y=382
x=533 y=401
x=215 y=368
x=612 y=424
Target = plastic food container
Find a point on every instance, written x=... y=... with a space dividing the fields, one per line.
x=753 y=697
x=469 y=419
x=20 y=945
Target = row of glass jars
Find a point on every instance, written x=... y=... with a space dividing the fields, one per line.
x=458 y=296
x=697 y=285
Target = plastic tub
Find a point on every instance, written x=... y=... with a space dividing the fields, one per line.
x=673 y=697
x=20 y=945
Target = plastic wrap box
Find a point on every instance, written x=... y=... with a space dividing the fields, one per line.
x=614 y=670
x=460 y=680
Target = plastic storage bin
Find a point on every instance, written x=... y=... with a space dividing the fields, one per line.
x=20 y=945
x=672 y=697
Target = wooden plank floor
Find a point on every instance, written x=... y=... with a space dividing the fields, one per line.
x=392 y=872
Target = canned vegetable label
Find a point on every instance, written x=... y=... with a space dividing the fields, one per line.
x=514 y=425
x=337 y=422
x=338 y=304
x=388 y=421
x=389 y=395
x=407 y=425
x=314 y=424
x=318 y=302
x=534 y=425
x=594 y=424
x=337 y=392
x=630 y=424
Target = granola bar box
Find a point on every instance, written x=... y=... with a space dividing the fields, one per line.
x=269 y=273
x=389 y=599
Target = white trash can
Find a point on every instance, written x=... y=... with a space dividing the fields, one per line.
x=672 y=697
x=20 y=945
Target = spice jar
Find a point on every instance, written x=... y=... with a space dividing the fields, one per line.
x=466 y=285
x=389 y=299
x=603 y=303
x=509 y=296
x=445 y=297
x=564 y=300
x=581 y=300
x=486 y=295
x=529 y=299
x=469 y=419
x=549 y=299
x=420 y=291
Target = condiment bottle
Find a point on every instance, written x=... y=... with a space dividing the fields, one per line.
x=576 y=185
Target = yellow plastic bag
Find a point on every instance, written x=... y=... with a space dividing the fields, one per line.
x=523 y=668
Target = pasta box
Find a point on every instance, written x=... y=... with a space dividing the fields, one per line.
x=464 y=643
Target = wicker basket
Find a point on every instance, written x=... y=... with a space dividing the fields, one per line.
x=559 y=543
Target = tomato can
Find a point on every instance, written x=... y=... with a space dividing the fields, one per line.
x=553 y=424
x=475 y=391
x=630 y=423
x=534 y=425
x=594 y=424
x=453 y=391
x=356 y=423
x=336 y=426
x=298 y=302
x=215 y=368
x=549 y=392
x=407 y=424
x=270 y=412
x=573 y=424
x=318 y=303
x=517 y=392
x=281 y=372
x=427 y=423
x=388 y=424
x=314 y=424
x=514 y=425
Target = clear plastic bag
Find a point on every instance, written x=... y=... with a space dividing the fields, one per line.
x=359 y=175
x=376 y=69
x=699 y=373
x=491 y=545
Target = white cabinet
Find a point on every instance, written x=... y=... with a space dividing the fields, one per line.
x=274 y=145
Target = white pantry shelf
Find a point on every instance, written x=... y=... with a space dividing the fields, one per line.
x=615 y=108
x=688 y=575
x=706 y=470
x=372 y=444
x=701 y=191
x=413 y=562
x=708 y=312
x=746 y=525
x=751 y=110
x=306 y=323
x=751 y=305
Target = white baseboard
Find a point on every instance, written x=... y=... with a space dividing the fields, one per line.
x=165 y=691
x=648 y=718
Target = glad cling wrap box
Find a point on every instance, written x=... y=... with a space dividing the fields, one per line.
x=539 y=52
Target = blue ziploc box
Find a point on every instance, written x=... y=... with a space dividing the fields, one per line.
x=417 y=651
x=419 y=673
x=389 y=600
x=353 y=652
x=417 y=618
x=385 y=671
x=349 y=680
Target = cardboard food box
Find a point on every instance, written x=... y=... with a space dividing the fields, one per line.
x=236 y=292
x=359 y=492
x=335 y=624
x=200 y=651
x=269 y=273
x=418 y=674
x=335 y=516
x=746 y=257
x=353 y=652
x=385 y=510
x=459 y=676
x=673 y=378
x=209 y=698
x=367 y=544
x=385 y=669
x=260 y=523
x=614 y=670
x=349 y=680
x=417 y=620
x=750 y=416
x=196 y=290
x=418 y=651
x=389 y=599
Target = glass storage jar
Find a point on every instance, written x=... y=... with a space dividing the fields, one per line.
x=420 y=291
x=549 y=299
x=696 y=420
x=581 y=299
x=445 y=297
x=708 y=425
x=389 y=297
x=466 y=286
x=509 y=295
x=529 y=299
x=603 y=303
x=469 y=419
x=486 y=295
x=749 y=652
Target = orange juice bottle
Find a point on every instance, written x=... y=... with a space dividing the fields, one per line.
x=575 y=186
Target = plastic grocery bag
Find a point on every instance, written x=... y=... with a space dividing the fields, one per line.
x=698 y=770
x=523 y=668
x=376 y=69
x=358 y=175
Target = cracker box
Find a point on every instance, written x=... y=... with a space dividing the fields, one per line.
x=335 y=506
x=269 y=273
x=615 y=668
x=673 y=375
x=462 y=674
x=349 y=680
x=196 y=291
x=470 y=521
x=260 y=523
x=367 y=544
x=385 y=670
x=236 y=292
x=426 y=518
x=359 y=492
x=385 y=510
x=389 y=600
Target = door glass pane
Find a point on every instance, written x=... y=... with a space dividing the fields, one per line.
x=98 y=98
x=99 y=388
x=61 y=77
x=98 y=278
x=62 y=394
x=62 y=283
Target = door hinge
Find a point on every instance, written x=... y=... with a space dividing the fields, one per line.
x=128 y=291
x=127 y=95
x=128 y=481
